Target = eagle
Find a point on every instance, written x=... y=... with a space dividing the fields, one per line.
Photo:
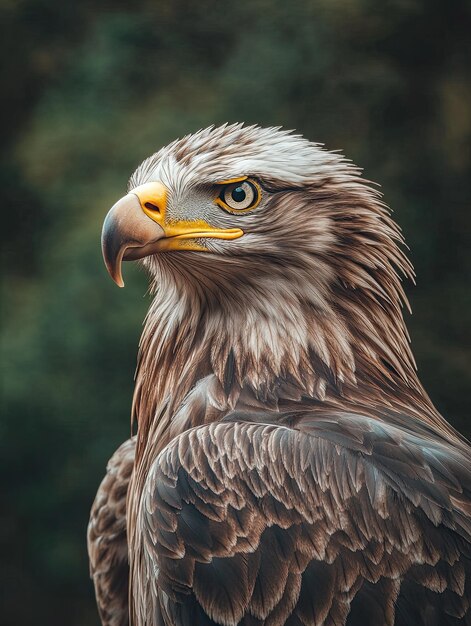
x=288 y=467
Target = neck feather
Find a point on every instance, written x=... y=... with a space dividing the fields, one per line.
x=280 y=349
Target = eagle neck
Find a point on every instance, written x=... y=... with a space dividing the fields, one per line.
x=260 y=350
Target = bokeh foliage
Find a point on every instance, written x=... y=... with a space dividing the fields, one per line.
x=90 y=90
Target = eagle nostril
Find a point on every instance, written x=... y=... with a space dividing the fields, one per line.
x=152 y=207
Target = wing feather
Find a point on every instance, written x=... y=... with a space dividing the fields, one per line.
x=326 y=521
x=107 y=541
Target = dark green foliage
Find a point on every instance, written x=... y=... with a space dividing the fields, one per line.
x=91 y=92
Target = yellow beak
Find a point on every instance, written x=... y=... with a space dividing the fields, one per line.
x=129 y=234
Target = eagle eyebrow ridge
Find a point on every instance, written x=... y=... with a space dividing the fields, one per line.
x=227 y=181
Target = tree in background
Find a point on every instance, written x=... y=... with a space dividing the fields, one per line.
x=91 y=92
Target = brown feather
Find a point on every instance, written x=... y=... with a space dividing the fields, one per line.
x=290 y=468
x=107 y=541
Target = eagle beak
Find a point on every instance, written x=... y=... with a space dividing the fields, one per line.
x=136 y=227
x=127 y=234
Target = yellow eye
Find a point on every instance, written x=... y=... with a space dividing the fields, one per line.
x=240 y=196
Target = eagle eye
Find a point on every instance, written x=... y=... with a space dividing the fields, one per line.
x=240 y=196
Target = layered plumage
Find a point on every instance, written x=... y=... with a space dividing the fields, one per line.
x=107 y=542
x=289 y=468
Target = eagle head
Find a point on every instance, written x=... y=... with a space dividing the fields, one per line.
x=286 y=246
x=239 y=204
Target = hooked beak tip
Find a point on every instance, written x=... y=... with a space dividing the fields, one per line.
x=113 y=251
x=115 y=272
x=118 y=278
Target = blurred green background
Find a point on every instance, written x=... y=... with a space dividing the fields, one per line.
x=91 y=89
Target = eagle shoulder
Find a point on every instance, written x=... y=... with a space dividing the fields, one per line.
x=335 y=519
